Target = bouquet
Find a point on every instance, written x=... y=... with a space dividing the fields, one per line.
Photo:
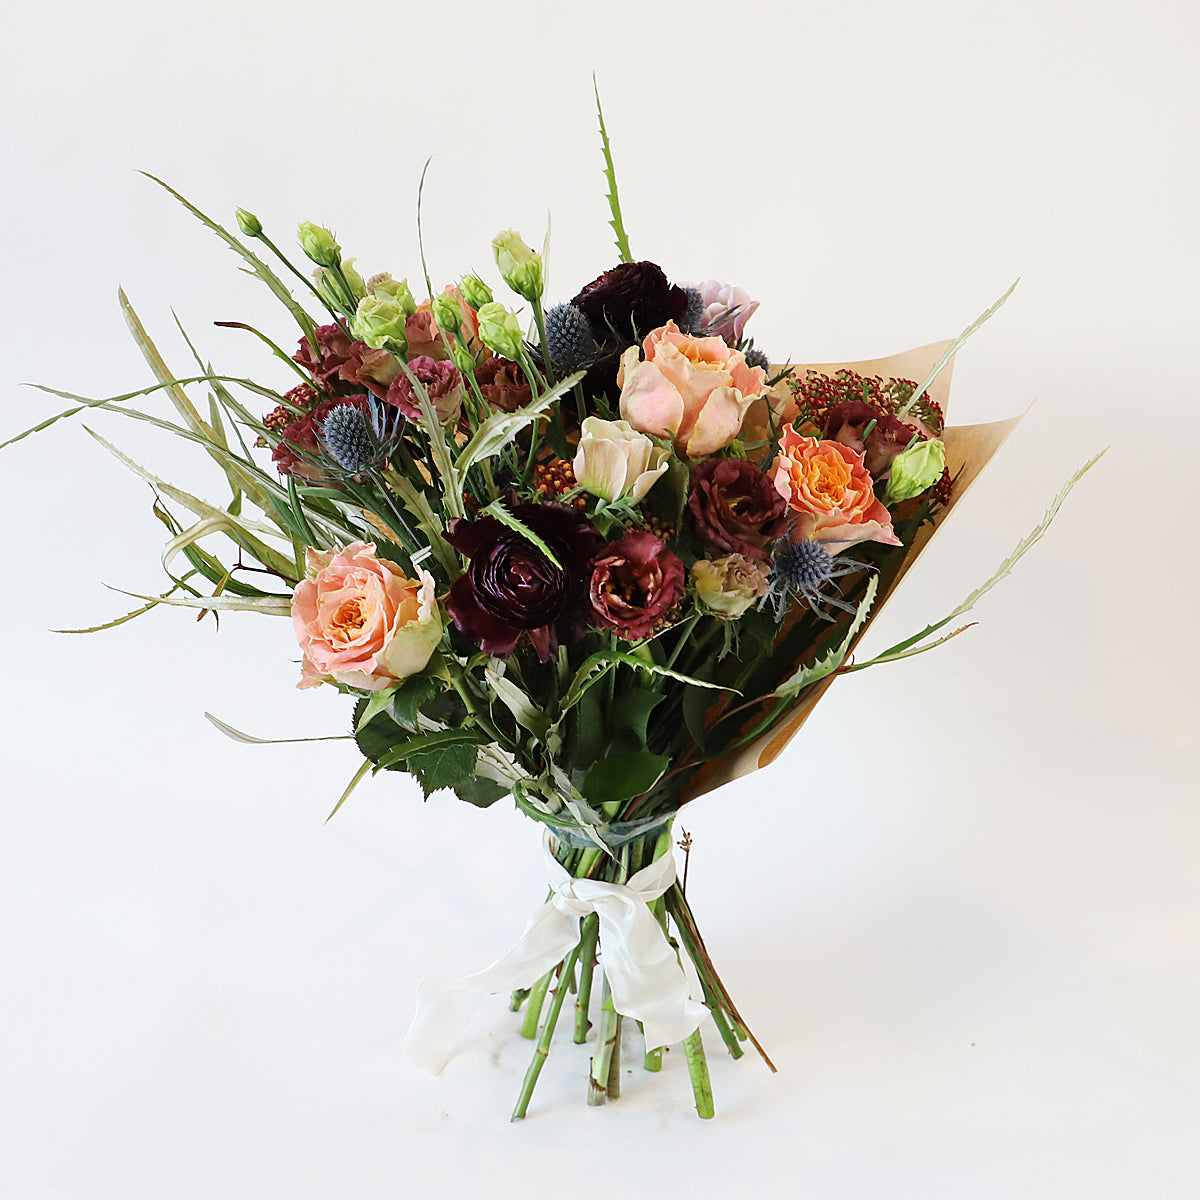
x=598 y=556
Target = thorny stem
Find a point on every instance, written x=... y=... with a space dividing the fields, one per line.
x=587 y=967
x=533 y=1014
x=607 y=1029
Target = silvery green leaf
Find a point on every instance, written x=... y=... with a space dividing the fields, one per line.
x=828 y=663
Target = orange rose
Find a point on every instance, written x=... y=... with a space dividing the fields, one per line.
x=827 y=486
x=693 y=389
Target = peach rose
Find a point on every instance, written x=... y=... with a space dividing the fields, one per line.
x=361 y=622
x=693 y=389
x=826 y=484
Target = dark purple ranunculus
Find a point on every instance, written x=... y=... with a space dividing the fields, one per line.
x=511 y=589
x=635 y=584
x=632 y=299
x=735 y=508
x=848 y=421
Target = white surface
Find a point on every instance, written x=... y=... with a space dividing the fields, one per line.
x=963 y=911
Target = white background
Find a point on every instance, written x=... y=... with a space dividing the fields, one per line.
x=962 y=912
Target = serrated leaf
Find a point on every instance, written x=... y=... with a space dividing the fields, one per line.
x=610 y=174
x=498 y=512
x=595 y=666
x=428 y=743
x=411 y=696
x=828 y=663
x=632 y=709
x=445 y=768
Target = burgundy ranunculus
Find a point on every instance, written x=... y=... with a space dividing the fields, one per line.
x=846 y=423
x=339 y=359
x=735 y=508
x=511 y=589
x=298 y=444
x=632 y=299
x=635 y=583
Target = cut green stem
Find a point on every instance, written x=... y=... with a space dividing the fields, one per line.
x=533 y=1014
x=587 y=966
x=542 y=1050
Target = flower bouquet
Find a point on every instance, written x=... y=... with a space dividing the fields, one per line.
x=599 y=557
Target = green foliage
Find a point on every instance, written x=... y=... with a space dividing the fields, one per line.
x=623 y=775
x=610 y=174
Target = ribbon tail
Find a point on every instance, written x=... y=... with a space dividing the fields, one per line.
x=443 y=1009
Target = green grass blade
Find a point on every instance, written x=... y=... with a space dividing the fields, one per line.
x=610 y=173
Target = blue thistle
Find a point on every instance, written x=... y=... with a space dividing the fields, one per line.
x=807 y=570
x=757 y=358
x=569 y=338
x=357 y=439
x=694 y=313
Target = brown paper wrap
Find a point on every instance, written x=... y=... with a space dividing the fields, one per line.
x=969 y=448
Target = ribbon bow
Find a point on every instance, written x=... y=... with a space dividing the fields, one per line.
x=643 y=972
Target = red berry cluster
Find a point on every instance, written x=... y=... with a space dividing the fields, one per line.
x=554 y=478
x=302 y=397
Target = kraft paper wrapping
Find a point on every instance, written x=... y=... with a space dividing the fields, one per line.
x=969 y=448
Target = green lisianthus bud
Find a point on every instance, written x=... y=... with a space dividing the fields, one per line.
x=379 y=321
x=358 y=289
x=447 y=313
x=464 y=360
x=520 y=267
x=395 y=289
x=474 y=291
x=915 y=470
x=329 y=289
x=500 y=331
x=319 y=244
x=248 y=223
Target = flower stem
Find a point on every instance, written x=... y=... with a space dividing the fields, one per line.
x=607 y=1029
x=533 y=1014
x=693 y=1049
x=542 y=1050
x=587 y=966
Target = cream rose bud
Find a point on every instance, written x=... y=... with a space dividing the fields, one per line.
x=727 y=587
x=915 y=470
x=361 y=622
x=615 y=461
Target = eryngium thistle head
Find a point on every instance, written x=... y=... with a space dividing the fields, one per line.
x=568 y=338
x=694 y=314
x=357 y=438
x=807 y=570
x=757 y=358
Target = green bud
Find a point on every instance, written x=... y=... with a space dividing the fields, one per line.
x=499 y=330
x=447 y=313
x=464 y=360
x=358 y=289
x=474 y=291
x=248 y=223
x=395 y=289
x=379 y=321
x=319 y=244
x=329 y=289
x=915 y=470
x=519 y=266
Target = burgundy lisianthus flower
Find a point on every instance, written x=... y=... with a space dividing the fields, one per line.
x=503 y=384
x=340 y=359
x=847 y=422
x=298 y=443
x=442 y=381
x=635 y=584
x=512 y=590
x=735 y=508
x=632 y=299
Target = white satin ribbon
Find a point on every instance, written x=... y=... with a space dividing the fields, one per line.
x=643 y=972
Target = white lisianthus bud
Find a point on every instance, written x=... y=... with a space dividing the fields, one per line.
x=614 y=461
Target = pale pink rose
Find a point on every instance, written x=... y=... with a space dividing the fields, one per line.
x=826 y=485
x=726 y=309
x=615 y=461
x=361 y=622
x=695 y=390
